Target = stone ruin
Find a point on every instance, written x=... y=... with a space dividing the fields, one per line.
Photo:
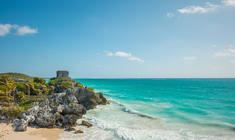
x=62 y=74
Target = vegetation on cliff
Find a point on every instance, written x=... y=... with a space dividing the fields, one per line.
x=60 y=102
x=12 y=75
x=16 y=97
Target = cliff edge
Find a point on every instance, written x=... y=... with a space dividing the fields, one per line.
x=65 y=102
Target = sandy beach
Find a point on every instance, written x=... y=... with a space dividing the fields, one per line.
x=7 y=133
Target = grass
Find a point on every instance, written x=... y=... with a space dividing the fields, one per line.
x=13 y=111
x=17 y=75
x=91 y=90
x=18 y=108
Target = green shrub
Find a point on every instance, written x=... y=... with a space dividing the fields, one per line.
x=41 y=88
x=13 y=111
x=6 y=99
x=20 y=96
x=30 y=99
x=51 y=89
x=39 y=80
x=78 y=84
x=17 y=76
x=3 y=88
x=91 y=89
x=61 y=84
x=20 y=86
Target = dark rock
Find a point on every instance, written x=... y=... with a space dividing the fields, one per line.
x=19 y=80
x=70 y=129
x=70 y=97
x=45 y=119
x=58 y=98
x=76 y=109
x=86 y=124
x=71 y=120
x=102 y=100
x=78 y=131
x=87 y=98
x=20 y=125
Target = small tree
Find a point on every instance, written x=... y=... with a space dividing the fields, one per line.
x=9 y=85
x=39 y=80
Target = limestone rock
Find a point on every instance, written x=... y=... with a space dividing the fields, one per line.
x=78 y=131
x=20 y=125
x=70 y=120
x=86 y=124
x=70 y=129
x=61 y=109
x=76 y=109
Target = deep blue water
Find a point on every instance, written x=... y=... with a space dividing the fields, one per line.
x=192 y=103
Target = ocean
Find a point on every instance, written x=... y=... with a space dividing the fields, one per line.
x=162 y=109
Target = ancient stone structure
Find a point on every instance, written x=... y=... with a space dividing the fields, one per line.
x=62 y=74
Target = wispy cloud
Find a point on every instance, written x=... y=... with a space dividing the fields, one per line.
x=229 y=2
x=129 y=56
x=222 y=54
x=198 y=9
x=228 y=53
x=24 y=30
x=170 y=15
x=190 y=58
x=20 y=30
x=225 y=53
x=123 y=54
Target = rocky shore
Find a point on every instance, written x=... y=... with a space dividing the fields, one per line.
x=61 y=109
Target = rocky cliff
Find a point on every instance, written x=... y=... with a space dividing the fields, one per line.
x=62 y=108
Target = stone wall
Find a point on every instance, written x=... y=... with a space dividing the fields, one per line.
x=62 y=74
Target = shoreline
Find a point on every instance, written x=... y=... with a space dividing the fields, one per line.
x=7 y=133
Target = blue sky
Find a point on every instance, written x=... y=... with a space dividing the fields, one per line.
x=118 y=38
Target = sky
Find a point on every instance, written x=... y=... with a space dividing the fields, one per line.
x=118 y=38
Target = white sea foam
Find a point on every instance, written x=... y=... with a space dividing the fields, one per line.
x=102 y=91
x=119 y=121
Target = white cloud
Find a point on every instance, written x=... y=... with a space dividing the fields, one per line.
x=20 y=30
x=198 y=9
x=109 y=53
x=132 y=58
x=230 y=51
x=129 y=56
x=190 y=58
x=5 y=29
x=229 y=2
x=170 y=15
x=123 y=54
x=26 y=30
x=223 y=54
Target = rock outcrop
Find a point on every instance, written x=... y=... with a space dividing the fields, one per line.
x=60 y=109
x=86 y=124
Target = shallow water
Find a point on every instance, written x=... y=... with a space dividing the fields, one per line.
x=153 y=109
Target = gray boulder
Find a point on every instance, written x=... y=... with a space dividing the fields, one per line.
x=45 y=119
x=20 y=125
x=75 y=109
x=70 y=97
x=70 y=120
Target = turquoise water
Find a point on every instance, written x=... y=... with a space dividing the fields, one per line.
x=165 y=108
